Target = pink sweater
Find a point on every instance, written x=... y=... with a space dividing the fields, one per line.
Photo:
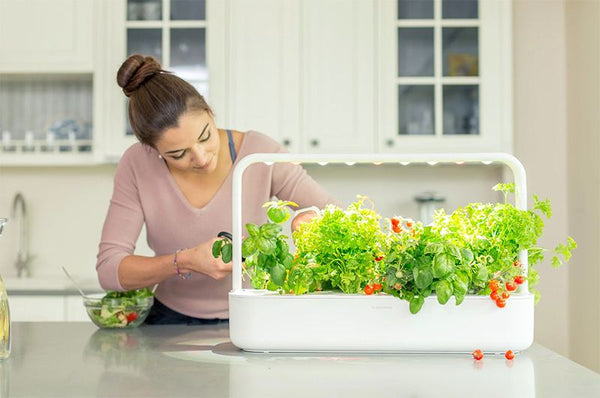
x=145 y=192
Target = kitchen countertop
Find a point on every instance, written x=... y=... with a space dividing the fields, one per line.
x=80 y=360
x=49 y=285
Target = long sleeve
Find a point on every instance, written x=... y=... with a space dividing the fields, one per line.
x=122 y=226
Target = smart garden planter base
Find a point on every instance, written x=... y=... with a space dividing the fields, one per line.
x=333 y=322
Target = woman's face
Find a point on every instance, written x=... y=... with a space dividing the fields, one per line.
x=191 y=146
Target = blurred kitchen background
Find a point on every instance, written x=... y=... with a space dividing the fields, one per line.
x=319 y=76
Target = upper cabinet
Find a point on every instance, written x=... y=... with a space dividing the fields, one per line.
x=46 y=36
x=316 y=75
x=303 y=72
x=186 y=36
x=444 y=76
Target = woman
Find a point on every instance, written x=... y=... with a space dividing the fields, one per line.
x=177 y=181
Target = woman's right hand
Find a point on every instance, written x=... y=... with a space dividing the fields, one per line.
x=200 y=259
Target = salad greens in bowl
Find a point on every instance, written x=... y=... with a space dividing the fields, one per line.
x=119 y=309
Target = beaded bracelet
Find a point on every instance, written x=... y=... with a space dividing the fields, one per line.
x=177 y=270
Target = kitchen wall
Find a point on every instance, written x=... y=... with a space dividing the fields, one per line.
x=583 y=105
x=540 y=129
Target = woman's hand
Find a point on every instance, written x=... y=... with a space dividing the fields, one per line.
x=302 y=218
x=200 y=259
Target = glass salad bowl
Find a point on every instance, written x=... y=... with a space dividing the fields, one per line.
x=119 y=309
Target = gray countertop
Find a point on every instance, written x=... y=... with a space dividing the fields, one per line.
x=79 y=360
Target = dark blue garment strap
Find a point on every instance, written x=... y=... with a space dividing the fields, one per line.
x=231 y=147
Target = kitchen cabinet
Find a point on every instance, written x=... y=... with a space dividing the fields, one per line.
x=444 y=76
x=302 y=72
x=52 y=308
x=46 y=36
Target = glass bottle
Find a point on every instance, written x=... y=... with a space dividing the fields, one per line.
x=4 y=313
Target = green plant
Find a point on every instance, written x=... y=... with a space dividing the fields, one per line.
x=340 y=247
x=266 y=249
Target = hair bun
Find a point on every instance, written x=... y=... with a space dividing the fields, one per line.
x=135 y=71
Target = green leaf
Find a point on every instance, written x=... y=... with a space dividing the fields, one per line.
x=278 y=274
x=509 y=188
x=270 y=230
x=467 y=255
x=252 y=229
x=443 y=290
x=434 y=248
x=443 y=264
x=460 y=297
x=416 y=303
x=556 y=262
x=287 y=261
x=226 y=252
x=216 y=248
x=542 y=205
x=423 y=277
x=265 y=245
x=460 y=286
x=278 y=215
x=248 y=247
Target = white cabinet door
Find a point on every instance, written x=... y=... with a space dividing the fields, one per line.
x=74 y=309
x=303 y=72
x=338 y=80
x=37 y=308
x=264 y=89
x=46 y=36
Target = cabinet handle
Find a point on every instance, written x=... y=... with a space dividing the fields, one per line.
x=389 y=143
x=287 y=142
x=314 y=143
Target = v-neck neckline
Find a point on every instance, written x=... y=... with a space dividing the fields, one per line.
x=208 y=204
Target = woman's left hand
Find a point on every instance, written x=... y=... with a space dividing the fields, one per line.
x=303 y=217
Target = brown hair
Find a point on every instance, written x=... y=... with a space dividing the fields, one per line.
x=157 y=98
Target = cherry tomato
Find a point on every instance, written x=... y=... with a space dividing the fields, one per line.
x=478 y=355
x=505 y=295
x=517 y=263
x=132 y=316
x=519 y=279
x=511 y=286
x=409 y=224
x=397 y=286
x=509 y=354
x=377 y=287
x=368 y=289
x=494 y=285
x=396 y=229
x=395 y=222
x=494 y=295
x=501 y=302
x=378 y=258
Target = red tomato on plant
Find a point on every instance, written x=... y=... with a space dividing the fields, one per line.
x=494 y=295
x=368 y=289
x=395 y=222
x=132 y=316
x=478 y=355
x=409 y=224
x=377 y=287
x=494 y=285
x=501 y=302
x=505 y=295
x=396 y=229
x=378 y=258
x=519 y=279
x=511 y=286
x=509 y=354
